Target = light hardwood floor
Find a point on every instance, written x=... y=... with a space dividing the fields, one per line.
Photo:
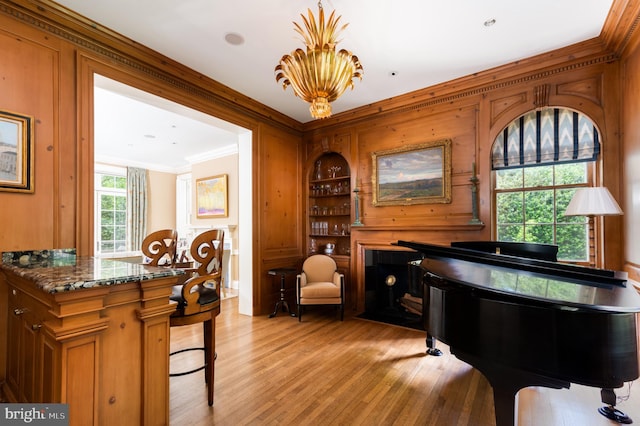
x=325 y=372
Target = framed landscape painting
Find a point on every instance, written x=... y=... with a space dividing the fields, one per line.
x=16 y=152
x=418 y=174
x=212 y=197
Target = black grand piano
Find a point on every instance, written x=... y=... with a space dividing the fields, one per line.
x=524 y=321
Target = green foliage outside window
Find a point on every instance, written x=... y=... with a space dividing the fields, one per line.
x=111 y=181
x=530 y=205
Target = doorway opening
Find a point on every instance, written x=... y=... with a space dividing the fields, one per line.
x=176 y=145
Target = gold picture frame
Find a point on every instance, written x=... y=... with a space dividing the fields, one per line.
x=417 y=174
x=212 y=197
x=16 y=152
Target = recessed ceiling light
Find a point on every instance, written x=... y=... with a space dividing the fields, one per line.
x=489 y=22
x=234 y=39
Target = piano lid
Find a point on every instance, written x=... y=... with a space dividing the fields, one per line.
x=542 y=281
x=595 y=276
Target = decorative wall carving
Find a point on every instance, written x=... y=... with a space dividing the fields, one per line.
x=541 y=95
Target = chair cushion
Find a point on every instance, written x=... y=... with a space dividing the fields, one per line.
x=206 y=295
x=320 y=290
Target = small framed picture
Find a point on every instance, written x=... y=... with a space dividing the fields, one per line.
x=212 y=197
x=16 y=152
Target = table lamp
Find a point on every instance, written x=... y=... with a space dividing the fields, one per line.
x=591 y=202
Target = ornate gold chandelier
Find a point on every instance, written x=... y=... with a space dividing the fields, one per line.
x=320 y=75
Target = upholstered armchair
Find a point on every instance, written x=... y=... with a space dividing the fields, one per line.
x=320 y=283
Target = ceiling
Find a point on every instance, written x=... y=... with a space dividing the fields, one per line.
x=136 y=128
x=403 y=45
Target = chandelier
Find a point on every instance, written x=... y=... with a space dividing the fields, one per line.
x=320 y=75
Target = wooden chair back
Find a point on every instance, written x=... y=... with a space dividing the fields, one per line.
x=206 y=251
x=160 y=247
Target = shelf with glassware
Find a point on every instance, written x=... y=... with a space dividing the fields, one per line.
x=330 y=216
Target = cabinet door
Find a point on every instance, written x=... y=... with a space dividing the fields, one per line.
x=29 y=352
x=48 y=368
x=14 y=329
x=24 y=366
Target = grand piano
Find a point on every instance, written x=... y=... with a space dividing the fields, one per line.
x=524 y=320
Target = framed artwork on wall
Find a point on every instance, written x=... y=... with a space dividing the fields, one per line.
x=16 y=152
x=212 y=197
x=418 y=174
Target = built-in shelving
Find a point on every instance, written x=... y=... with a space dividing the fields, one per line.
x=329 y=208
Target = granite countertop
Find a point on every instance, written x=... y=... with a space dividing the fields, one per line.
x=60 y=270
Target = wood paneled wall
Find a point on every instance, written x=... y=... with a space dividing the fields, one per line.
x=49 y=59
x=630 y=170
x=471 y=112
x=33 y=82
x=50 y=55
x=279 y=199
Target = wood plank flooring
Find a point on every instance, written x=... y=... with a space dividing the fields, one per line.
x=325 y=372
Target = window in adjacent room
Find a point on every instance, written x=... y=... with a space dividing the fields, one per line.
x=540 y=160
x=111 y=212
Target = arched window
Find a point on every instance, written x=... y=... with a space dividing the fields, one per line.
x=539 y=160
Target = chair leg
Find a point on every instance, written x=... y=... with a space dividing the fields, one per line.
x=209 y=351
x=299 y=313
x=341 y=312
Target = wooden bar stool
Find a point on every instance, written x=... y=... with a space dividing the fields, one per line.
x=198 y=299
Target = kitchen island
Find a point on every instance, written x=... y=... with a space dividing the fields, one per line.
x=91 y=333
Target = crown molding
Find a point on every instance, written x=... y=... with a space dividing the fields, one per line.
x=621 y=25
x=48 y=16
x=539 y=67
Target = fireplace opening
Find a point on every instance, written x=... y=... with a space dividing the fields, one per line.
x=393 y=288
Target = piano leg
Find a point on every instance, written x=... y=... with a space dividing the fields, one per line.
x=608 y=396
x=505 y=403
x=426 y=304
x=506 y=382
x=431 y=346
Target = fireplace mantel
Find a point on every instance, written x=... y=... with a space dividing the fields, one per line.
x=383 y=237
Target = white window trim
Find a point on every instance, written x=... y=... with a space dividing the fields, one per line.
x=116 y=171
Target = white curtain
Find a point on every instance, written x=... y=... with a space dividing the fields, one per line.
x=136 y=206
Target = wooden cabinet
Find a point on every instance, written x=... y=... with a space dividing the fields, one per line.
x=329 y=210
x=29 y=350
x=102 y=350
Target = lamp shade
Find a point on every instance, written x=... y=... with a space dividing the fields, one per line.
x=593 y=201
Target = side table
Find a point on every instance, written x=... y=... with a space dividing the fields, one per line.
x=283 y=272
